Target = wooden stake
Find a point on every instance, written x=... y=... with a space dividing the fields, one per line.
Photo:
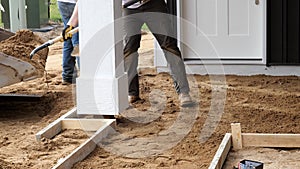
x=236 y=136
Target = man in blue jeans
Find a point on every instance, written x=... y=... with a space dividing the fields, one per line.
x=69 y=72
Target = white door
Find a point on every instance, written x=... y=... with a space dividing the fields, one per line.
x=223 y=29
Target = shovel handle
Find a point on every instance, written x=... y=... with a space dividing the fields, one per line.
x=51 y=42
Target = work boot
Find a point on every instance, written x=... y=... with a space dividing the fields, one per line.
x=133 y=99
x=65 y=82
x=185 y=100
x=68 y=82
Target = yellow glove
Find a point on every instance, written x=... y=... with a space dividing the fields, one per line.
x=65 y=33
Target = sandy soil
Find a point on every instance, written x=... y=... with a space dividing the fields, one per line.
x=155 y=132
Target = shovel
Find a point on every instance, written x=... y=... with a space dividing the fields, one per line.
x=51 y=42
x=129 y=3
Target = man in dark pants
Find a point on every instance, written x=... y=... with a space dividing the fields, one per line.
x=154 y=14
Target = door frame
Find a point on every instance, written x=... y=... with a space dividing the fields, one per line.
x=283 y=33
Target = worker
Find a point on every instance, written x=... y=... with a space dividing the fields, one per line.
x=71 y=44
x=159 y=24
x=132 y=37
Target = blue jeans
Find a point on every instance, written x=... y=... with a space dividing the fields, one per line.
x=69 y=72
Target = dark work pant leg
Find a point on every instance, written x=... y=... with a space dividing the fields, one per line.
x=161 y=27
x=132 y=38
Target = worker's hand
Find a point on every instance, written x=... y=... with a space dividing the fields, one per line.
x=65 y=33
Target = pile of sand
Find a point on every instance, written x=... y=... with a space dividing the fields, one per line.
x=20 y=46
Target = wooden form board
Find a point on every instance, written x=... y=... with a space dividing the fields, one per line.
x=251 y=140
x=222 y=153
x=102 y=128
x=87 y=147
x=271 y=140
x=55 y=127
x=84 y=124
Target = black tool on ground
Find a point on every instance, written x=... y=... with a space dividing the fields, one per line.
x=19 y=98
x=51 y=42
x=249 y=164
x=129 y=3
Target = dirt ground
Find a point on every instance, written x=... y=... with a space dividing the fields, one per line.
x=155 y=132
